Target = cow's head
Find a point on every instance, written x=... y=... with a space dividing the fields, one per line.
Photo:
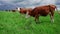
x=18 y=9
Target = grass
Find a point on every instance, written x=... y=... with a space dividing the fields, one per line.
x=15 y=23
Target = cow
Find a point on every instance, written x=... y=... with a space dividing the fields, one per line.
x=39 y=11
x=13 y=10
x=25 y=11
x=43 y=11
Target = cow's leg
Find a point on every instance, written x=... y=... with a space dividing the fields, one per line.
x=52 y=19
x=52 y=16
x=27 y=14
x=37 y=19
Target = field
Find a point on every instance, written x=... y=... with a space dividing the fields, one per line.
x=15 y=23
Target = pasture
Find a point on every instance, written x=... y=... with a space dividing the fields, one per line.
x=15 y=23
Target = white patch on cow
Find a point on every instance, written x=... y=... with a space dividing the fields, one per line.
x=18 y=9
x=27 y=16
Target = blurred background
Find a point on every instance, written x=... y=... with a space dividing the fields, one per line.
x=12 y=4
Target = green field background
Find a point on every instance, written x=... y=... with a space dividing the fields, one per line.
x=16 y=23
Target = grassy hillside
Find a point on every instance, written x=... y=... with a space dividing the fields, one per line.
x=15 y=23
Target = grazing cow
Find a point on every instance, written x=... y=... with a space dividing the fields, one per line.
x=13 y=10
x=43 y=11
x=26 y=11
x=39 y=11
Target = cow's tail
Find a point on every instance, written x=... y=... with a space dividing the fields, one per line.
x=57 y=10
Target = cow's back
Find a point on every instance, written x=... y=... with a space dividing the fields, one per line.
x=41 y=10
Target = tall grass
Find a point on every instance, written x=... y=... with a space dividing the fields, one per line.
x=15 y=23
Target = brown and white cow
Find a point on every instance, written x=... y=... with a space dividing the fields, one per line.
x=44 y=11
x=39 y=11
x=26 y=11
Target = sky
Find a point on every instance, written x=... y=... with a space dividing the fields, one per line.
x=28 y=3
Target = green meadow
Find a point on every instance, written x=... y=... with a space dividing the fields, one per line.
x=16 y=23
